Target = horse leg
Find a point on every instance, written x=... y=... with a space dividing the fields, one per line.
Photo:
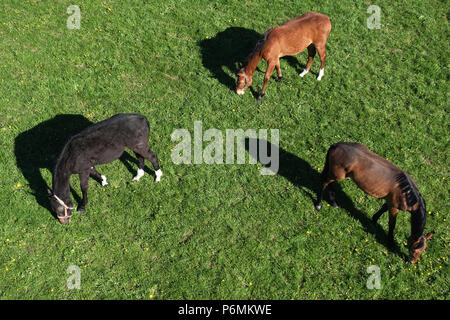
x=332 y=194
x=84 y=182
x=277 y=66
x=94 y=173
x=378 y=214
x=392 y=219
x=151 y=156
x=322 y=55
x=270 y=67
x=311 y=54
x=325 y=183
x=140 y=171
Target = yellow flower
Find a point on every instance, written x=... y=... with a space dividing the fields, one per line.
x=18 y=185
x=150 y=296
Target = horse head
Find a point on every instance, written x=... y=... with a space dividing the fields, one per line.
x=62 y=210
x=243 y=81
x=416 y=247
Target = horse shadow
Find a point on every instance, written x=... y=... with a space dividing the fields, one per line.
x=300 y=173
x=39 y=147
x=226 y=52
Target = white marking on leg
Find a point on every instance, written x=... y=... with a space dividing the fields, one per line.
x=158 y=174
x=139 y=175
x=304 y=72
x=320 y=75
x=104 y=183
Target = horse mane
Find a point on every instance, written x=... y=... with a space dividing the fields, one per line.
x=259 y=45
x=61 y=156
x=413 y=196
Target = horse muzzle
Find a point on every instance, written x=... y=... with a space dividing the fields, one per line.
x=240 y=91
x=64 y=220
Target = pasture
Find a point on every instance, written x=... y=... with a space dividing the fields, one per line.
x=220 y=231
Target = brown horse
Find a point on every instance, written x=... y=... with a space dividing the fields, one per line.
x=310 y=30
x=381 y=179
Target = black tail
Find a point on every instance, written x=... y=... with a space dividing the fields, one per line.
x=326 y=167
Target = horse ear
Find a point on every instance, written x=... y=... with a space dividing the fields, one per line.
x=49 y=192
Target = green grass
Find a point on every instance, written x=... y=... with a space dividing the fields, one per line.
x=220 y=231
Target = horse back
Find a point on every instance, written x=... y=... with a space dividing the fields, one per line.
x=105 y=141
x=371 y=172
x=295 y=35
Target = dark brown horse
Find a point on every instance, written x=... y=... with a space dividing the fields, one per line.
x=381 y=179
x=310 y=30
x=99 y=143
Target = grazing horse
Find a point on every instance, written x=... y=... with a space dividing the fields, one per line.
x=99 y=143
x=310 y=30
x=381 y=179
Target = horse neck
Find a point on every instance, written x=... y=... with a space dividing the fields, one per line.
x=418 y=219
x=250 y=68
x=61 y=180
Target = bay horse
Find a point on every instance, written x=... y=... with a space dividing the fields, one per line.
x=310 y=30
x=379 y=178
x=100 y=143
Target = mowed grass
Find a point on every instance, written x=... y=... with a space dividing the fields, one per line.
x=220 y=231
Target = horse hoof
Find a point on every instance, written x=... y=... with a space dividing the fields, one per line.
x=335 y=205
x=259 y=99
x=279 y=79
x=318 y=206
x=80 y=209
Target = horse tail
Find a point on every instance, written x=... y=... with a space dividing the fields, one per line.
x=411 y=196
x=326 y=167
x=259 y=45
